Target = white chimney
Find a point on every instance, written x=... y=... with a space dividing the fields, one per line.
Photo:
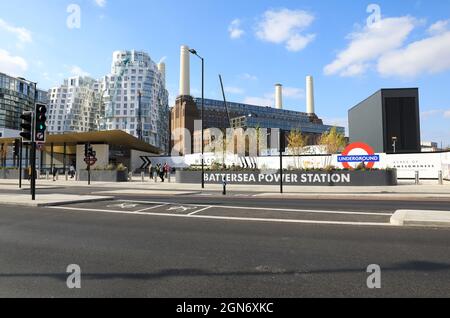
x=185 y=85
x=310 y=108
x=279 y=96
x=162 y=70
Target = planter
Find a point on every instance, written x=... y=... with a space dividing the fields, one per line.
x=294 y=178
x=105 y=176
x=13 y=174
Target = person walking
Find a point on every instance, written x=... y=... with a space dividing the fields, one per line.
x=150 y=170
x=157 y=172
x=161 y=173
x=54 y=172
x=72 y=171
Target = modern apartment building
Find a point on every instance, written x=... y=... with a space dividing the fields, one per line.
x=74 y=106
x=136 y=99
x=16 y=96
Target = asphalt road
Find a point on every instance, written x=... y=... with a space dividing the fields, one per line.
x=126 y=254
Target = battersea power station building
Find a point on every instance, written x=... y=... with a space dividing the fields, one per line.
x=219 y=115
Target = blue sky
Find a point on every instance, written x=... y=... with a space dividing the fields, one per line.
x=253 y=43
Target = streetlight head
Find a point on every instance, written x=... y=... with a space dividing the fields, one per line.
x=193 y=51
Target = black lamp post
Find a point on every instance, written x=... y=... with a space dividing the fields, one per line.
x=192 y=51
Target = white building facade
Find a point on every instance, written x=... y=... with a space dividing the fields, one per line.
x=136 y=99
x=74 y=106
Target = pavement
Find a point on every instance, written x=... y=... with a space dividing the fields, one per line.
x=155 y=249
x=48 y=199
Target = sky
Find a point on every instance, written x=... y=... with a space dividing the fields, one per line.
x=352 y=48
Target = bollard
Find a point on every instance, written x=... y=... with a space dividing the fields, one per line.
x=143 y=176
x=168 y=176
x=417 y=177
x=67 y=175
x=441 y=178
x=47 y=175
x=224 y=192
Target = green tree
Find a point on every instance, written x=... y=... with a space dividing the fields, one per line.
x=296 y=142
x=333 y=141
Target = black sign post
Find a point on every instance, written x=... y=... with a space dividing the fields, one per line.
x=282 y=149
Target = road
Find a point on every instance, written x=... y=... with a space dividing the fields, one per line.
x=199 y=245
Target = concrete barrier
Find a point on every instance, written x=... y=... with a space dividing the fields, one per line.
x=295 y=178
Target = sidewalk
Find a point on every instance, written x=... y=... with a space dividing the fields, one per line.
x=405 y=190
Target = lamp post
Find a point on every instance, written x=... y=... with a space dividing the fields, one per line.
x=194 y=52
x=394 y=144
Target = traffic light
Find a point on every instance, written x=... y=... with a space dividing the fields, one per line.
x=41 y=123
x=27 y=127
x=16 y=147
x=283 y=140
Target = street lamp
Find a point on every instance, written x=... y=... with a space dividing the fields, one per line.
x=194 y=52
x=394 y=144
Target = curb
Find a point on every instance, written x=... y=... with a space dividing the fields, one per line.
x=421 y=218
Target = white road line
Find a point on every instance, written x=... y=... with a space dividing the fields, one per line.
x=152 y=208
x=201 y=210
x=206 y=217
x=268 y=209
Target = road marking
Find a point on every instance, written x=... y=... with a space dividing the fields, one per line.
x=270 y=209
x=152 y=208
x=182 y=208
x=206 y=217
x=123 y=206
x=201 y=210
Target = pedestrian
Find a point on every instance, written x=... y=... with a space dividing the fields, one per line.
x=150 y=170
x=166 y=170
x=161 y=173
x=157 y=172
x=29 y=172
x=72 y=171
x=54 y=172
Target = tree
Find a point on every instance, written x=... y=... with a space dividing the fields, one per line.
x=296 y=142
x=333 y=141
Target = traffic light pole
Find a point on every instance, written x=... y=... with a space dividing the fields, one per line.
x=33 y=171
x=281 y=161
x=20 y=164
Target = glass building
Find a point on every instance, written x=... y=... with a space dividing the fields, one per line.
x=135 y=98
x=250 y=116
x=17 y=95
x=74 y=106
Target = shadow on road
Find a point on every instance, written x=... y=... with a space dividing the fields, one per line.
x=419 y=266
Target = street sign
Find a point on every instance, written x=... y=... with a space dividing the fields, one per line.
x=90 y=161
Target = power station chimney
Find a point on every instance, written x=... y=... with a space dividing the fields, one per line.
x=162 y=70
x=310 y=108
x=185 y=85
x=279 y=96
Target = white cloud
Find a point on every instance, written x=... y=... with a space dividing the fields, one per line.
x=439 y=27
x=430 y=113
x=258 y=101
x=250 y=77
x=447 y=114
x=23 y=35
x=369 y=44
x=100 y=3
x=77 y=71
x=235 y=29
x=294 y=92
x=285 y=27
x=429 y=56
x=234 y=90
x=12 y=65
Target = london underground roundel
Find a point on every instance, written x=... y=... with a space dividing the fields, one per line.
x=370 y=158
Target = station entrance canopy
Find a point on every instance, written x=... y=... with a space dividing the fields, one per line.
x=70 y=141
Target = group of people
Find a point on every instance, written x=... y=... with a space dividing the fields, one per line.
x=161 y=171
